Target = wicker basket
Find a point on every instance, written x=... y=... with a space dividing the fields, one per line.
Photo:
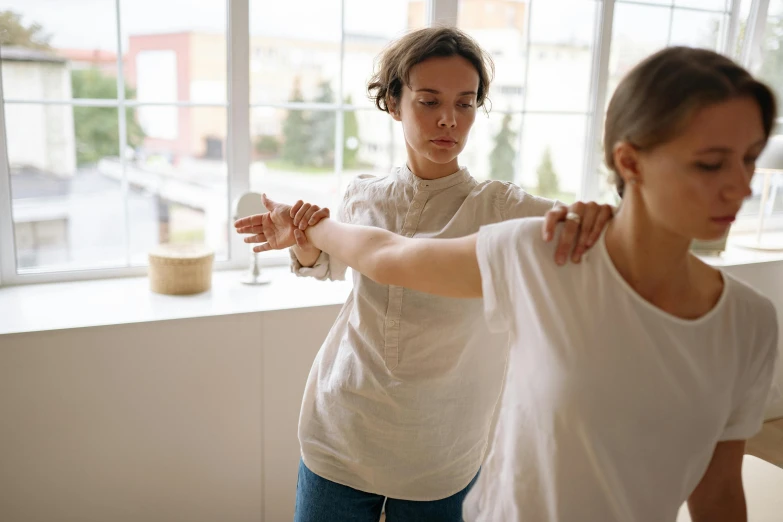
x=180 y=269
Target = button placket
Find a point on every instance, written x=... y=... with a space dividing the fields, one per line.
x=394 y=309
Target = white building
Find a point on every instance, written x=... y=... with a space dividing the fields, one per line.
x=39 y=136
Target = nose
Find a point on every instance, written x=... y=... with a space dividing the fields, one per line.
x=738 y=187
x=447 y=118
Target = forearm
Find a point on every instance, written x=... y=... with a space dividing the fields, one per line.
x=729 y=507
x=359 y=247
x=306 y=257
x=446 y=267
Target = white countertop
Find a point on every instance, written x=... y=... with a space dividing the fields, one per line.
x=79 y=304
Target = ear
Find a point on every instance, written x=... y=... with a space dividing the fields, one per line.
x=627 y=162
x=394 y=108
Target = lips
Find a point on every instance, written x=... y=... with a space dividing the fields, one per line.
x=444 y=141
x=724 y=220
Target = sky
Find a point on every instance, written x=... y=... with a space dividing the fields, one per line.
x=91 y=24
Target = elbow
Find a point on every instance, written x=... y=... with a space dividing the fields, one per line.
x=381 y=266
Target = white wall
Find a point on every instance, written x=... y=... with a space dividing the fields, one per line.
x=191 y=420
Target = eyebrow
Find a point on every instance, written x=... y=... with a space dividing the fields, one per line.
x=726 y=149
x=434 y=91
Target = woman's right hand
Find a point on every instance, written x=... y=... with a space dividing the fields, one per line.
x=306 y=215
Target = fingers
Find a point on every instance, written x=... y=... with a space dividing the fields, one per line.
x=250 y=230
x=296 y=208
x=301 y=214
x=268 y=203
x=586 y=227
x=552 y=218
x=258 y=238
x=309 y=216
x=249 y=221
x=319 y=215
x=605 y=215
x=300 y=238
x=569 y=235
x=262 y=248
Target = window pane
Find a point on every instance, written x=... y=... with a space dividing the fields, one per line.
x=491 y=152
x=41 y=46
x=771 y=69
x=290 y=52
x=294 y=155
x=760 y=221
x=637 y=32
x=500 y=28
x=714 y=5
x=659 y=2
x=179 y=54
x=698 y=29
x=366 y=35
x=180 y=168
x=374 y=143
x=561 y=50
x=552 y=155
x=67 y=205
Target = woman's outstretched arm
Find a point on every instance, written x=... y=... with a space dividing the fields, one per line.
x=446 y=267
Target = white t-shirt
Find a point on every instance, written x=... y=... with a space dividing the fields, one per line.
x=612 y=407
x=400 y=397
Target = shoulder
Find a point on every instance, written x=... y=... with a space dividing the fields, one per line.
x=518 y=235
x=753 y=313
x=362 y=181
x=513 y=201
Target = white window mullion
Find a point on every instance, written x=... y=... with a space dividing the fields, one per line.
x=754 y=34
x=599 y=85
x=238 y=139
x=339 y=132
x=123 y=136
x=442 y=12
x=730 y=36
x=7 y=246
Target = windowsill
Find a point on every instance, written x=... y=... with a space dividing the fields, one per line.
x=736 y=255
x=80 y=304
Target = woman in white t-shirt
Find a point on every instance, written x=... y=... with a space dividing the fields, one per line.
x=635 y=377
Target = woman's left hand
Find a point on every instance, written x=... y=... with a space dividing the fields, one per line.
x=584 y=223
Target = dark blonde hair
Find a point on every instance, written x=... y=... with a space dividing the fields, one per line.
x=397 y=60
x=656 y=100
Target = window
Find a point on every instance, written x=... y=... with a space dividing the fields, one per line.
x=110 y=156
x=122 y=130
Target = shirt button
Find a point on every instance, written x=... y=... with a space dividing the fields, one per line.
x=416 y=204
x=392 y=323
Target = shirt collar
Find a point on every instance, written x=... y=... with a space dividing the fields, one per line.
x=405 y=174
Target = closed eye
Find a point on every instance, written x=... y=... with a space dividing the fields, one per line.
x=709 y=167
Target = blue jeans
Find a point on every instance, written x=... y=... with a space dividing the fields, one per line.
x=321 y=500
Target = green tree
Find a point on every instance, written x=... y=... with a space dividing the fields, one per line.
x=267 y=146
x=295 y=132
x=14 y=32
x=351 y=137
x=97 y=128
x=322 y=125
x=548 y=183
x=501 y=161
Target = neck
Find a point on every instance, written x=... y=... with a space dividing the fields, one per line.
x=655 y=262
x=427 y=169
